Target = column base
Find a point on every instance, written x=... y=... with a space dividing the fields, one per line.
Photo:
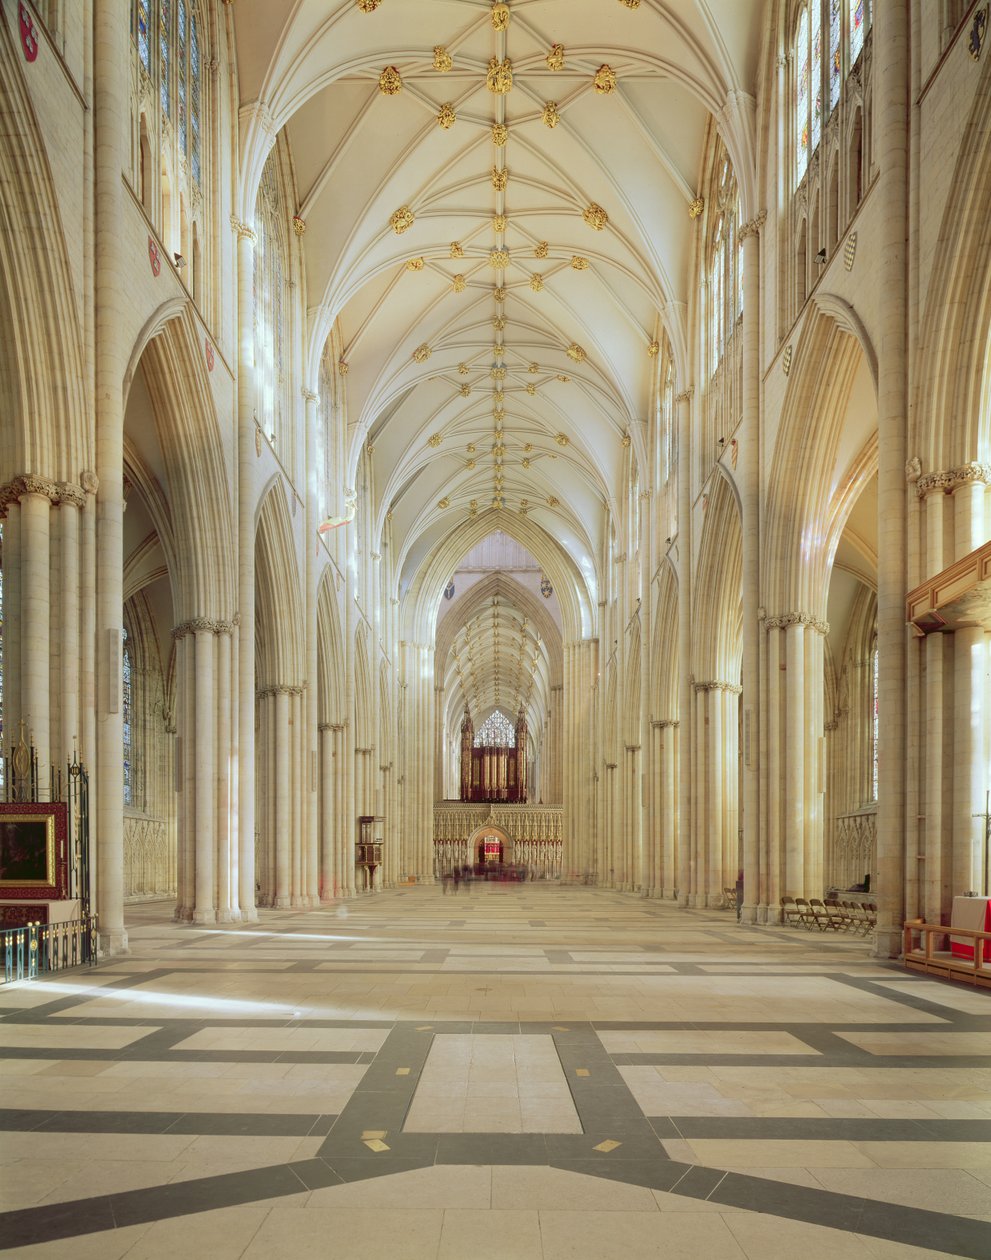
x=113 y=943
x=226 y=916
x=887 y=943
x=250 y=915
x=282 y=903
x=205 y=916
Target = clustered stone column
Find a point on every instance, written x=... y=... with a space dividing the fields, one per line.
x=208 y=851
x=793 y=666
x=580 y=679
x=956 y=509
x=716 y=805
x=686 y=692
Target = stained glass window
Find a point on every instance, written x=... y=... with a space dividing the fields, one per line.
x=194 y=98
x=802 y=96
x=126 y=699
x=143 y=32
x=875 y=724
x=835 y=67
x=815 y=71
x=858 y=13
x=181 y=73
x=165 y=55
x=497 y=731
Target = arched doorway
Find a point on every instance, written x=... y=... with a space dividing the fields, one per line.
x=491 y=848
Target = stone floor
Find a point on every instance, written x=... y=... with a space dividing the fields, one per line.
x=518 y=1071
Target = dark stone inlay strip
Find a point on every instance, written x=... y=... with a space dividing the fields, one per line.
x=201 y=1123
x=857 y=1058
x=191 y=1056
x=827 y=1129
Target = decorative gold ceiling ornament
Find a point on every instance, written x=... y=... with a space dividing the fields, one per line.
x=390 y=81
x=499 y=397
x=550 y=117
x=533 y=369
x=447 y=117
x=499 y=259
x=654 y=349
x=499 y=323
x=561 y=439
x=343 y=367
x=470 y=465
x=402 y=220
x=462 y=369
x=524 y=463
x=298 y=225
x=537 y=282
x=368 y=6
x=500 y=76
x=530 y=388
x=500 y=134
x=626 y=441
x=555 y=58
x=579 y=263
x=470 y=448
x=465 y=391
x=444 y=503
x=473 y=508
x=695 y=207
x=443 y=61
x=528 y=447
x=434 y=440
x=605 y=80
x=595 y=217
x=499 y=350
x=500 y=17
x=565 y=380
x=553 y=501
x=457 y=249
x=500 y=178
x=499 y=450
x=499 y=293
x=576 y=353
x=524 y=507
x=541 y=249
x=459 y=284
x=414 y=264
x=631 y=4
x=421 y=354
x=498 y=374
x=499 y=223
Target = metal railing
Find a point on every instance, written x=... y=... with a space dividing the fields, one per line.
x=40 y=948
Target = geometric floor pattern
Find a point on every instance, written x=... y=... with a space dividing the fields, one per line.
x=605 y=1077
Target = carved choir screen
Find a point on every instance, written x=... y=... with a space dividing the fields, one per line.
x=493 y=761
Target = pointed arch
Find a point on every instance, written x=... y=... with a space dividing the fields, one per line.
x=813 y=466
x=331 y=693
x=717 y=630
x=42 y=400
x=278 y=614
x=664 y=655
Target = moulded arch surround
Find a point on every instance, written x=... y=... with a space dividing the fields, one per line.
x=804 y=479
x=717 y=615
x=198 y=490
x=420 y=607
x=955 y=334
x=663 y=666
x=331 y=699
x=278 y=616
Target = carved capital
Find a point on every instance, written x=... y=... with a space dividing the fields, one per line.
x=242 y=231
x=753 y=227
x=717 y=685
x=28 y=483
x=74 y=496
x=951 y=479
x=686 y=395
x=796 y=619
x=198 y=625
x=310 y=396
x=279 y=689
x=89 y=481
x=662 y=724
